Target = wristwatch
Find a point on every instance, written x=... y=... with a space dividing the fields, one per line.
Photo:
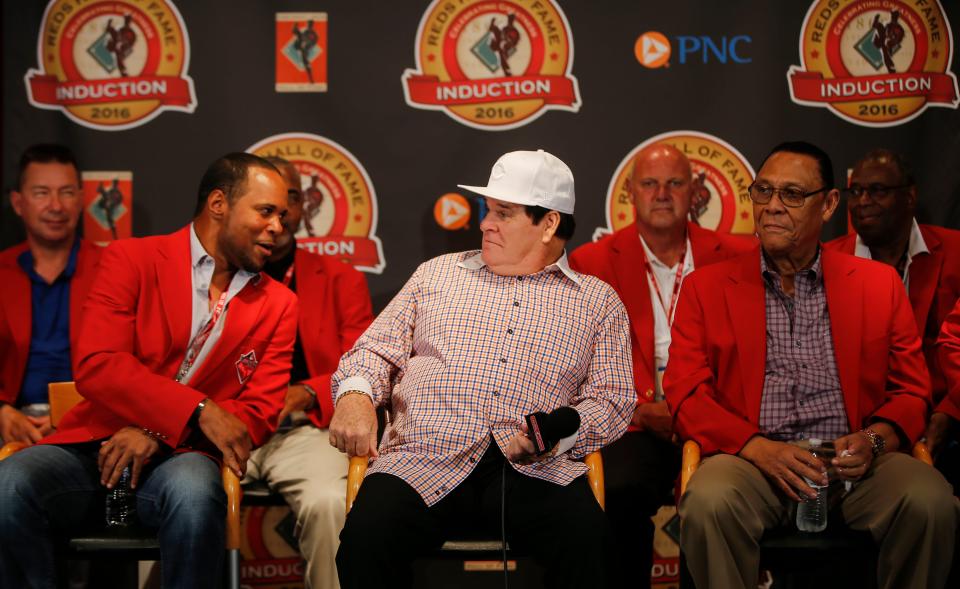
x=877 y=442
x=313 y=394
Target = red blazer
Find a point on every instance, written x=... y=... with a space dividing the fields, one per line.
x=134 y=334
x=335 y=309
x=949 y=352
x=714 y=380
x=618 y=260
x=16 y=308
x=934 y=289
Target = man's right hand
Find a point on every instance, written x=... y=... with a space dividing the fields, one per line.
x=228 y=434
x=353 y=429
x=786 y=465
x=17 y=427
x=654 y=418
x=937 y=431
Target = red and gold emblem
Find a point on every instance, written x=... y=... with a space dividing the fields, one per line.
x=875 y=63
x=339 y=203
x=112 y=64
x=493 y=65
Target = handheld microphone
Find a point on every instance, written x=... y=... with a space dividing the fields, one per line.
x=546 y=429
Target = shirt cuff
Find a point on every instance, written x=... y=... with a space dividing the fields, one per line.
x=355 y=383
x=568 y=442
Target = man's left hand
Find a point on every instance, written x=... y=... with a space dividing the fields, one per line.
x=854 y=456
x=297 y=399
x=520 y=449
x=130 y=446
x=42 y=423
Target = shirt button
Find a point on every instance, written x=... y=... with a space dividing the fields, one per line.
x=520 y=278
x=510 y=330
x=516 y=303
x=503 y=360
x=443 y=489
x=496 y=394
x=798 y=343
x=802 y=403
x=471 y=459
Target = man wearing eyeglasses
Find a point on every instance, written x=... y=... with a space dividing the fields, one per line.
x=882 y=200
x=646 y=263
x=792 y=342
x=45 y=281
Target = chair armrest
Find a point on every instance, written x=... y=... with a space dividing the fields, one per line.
x=922 y=453
x=355 y=473
x=594 y=462
x=10 y=448
x=689 y=463
x=231 y=486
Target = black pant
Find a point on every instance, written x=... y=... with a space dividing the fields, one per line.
x=640 y=471
x=563 y=528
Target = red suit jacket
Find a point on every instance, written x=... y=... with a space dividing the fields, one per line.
x=714 y=380
x=949 y=352
x=618 y=260
x=334 y=310
x=16 y=307
x=134 y=334
x=934 y=289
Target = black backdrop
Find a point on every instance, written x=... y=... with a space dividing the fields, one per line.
x=413 y=156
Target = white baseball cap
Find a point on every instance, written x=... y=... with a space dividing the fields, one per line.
x=530 y=178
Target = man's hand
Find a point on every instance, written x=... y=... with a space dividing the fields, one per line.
x=297 y=399
x=520 y=449
x=854 y=456
x=786 y=465
x=42 y=423
x=228 y=434
x=654 y=418
x=129 y=445
x=937 y=430
x=17 y=427
x=353 y=429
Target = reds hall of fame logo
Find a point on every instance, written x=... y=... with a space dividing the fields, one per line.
x=112 y=64
x=339 y=203
x=493 y=65
x=721 y=199
x=875 y=63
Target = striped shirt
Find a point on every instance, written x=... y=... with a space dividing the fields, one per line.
x=462 y=353
x=802 y=397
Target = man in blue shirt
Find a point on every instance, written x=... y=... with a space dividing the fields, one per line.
x=44 y=282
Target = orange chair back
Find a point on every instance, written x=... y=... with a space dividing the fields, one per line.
x=63 y=396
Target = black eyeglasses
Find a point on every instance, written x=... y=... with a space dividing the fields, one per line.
x=874 y=191
x=791 y=197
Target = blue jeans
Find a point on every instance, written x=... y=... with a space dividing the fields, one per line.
x=48 y=491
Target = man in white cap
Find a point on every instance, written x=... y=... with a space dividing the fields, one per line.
x=473 y=343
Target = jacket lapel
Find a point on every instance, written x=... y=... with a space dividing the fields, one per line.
x=845 y=296
x=175 y=283
x=745 y=301
x=242 y=313
x=704 y=245
x=632 y=280
x=924 y=277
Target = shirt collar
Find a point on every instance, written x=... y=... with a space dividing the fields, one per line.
x=475 y=262
x=26 y=261
x=915 y=246
x=199 y=257
x=655 y=261
x=769 y=270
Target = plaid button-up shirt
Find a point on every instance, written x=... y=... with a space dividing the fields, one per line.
x=462 y=353
x=802 y=397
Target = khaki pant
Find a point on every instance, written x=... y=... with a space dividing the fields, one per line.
x=312 y=477
x=906 y=505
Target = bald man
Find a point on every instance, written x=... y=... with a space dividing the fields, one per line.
x=645 y=263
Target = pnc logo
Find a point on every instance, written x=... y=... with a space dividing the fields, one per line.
x=452 y=211
x=654 y=49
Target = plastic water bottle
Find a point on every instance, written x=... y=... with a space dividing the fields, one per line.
x=812 y=513
x=121 y=506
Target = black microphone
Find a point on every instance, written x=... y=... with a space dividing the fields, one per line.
x=546 y=429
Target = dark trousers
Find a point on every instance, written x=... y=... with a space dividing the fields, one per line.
x=640 y=471
x=563 y=528
x=48 y=491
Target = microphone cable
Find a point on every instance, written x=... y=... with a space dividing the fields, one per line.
x=503 y=521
